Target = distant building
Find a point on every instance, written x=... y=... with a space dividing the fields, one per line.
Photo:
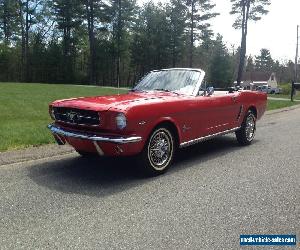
x=252 y=80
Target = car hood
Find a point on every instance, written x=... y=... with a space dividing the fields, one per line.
x=118 y=102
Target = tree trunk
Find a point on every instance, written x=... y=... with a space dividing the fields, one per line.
x=174 y=56
x=5 y=23
x=192 y=35
x=242 y=60
x=67 y=62
x=27 y=26
x=93 y=47
x=246 y=9
x=91 y=32
x=23 y=41
x=119 y=42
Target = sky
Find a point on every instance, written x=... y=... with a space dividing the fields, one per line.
x=276 y=31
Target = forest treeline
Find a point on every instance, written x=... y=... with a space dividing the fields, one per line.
x=111 y=41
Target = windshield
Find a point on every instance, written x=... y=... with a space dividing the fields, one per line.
x=178 y=81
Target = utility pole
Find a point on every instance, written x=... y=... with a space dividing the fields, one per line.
x=296 y=66
x=296 y=59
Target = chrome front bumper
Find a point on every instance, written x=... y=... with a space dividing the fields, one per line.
x=94 y=138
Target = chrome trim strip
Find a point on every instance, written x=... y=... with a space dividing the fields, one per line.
x=86 y=117
x=205 y=138
x=118 y=140
x=77 y=124
x=60 y=141
x=99 y=150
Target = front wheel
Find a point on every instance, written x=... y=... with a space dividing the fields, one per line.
x=158 y=153
x=245 y=135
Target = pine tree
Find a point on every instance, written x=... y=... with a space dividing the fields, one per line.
x=199 y=13
x=221 y=73
x=69 y=16
x=264 y=61
x=8 y=17
x=123 y=15
x=245 y=11
x=176 y=13
x=151 y=47
x=250 y=64
x=97 y=16
x=30 y=13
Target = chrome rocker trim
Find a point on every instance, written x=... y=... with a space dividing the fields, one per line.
x=206 y=138
x=94 y=138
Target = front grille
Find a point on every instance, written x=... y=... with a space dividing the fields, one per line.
x=77 y=116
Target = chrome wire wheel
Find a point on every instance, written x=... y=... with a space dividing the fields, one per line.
x=250 y=127
x=246 y=133
x=160 y=149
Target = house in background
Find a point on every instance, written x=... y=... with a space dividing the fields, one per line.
x=252 y=80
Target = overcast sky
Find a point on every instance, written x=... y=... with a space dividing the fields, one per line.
x=276 y=31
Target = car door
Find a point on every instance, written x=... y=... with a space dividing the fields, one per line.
x=227 y=110
x=196 y=118
x=203 y=112
x=218 y=113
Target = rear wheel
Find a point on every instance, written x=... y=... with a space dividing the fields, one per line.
x=245 y=135
x=158 y=153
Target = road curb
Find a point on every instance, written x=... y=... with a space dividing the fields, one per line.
x=33 y=153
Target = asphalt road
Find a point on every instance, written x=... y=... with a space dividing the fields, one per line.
x=215 y=192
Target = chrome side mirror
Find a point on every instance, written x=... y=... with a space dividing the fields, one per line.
x=210 y=91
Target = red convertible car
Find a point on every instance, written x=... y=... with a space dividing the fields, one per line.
x=168 y=109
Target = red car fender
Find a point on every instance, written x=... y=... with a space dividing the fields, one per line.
x=170 y=120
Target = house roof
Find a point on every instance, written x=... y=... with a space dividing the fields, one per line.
x=256 y=76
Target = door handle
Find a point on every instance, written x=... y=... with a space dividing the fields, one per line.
x=234 y=99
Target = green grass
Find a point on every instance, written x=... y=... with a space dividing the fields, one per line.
x=272 y=104
x=279 y=96
x=296 y=97
x=24 y=111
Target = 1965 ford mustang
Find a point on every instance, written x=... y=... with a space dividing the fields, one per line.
x=168 y=109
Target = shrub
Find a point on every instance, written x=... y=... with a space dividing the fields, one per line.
x=286 y=88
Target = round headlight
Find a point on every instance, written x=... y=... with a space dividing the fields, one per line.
x=121 y=121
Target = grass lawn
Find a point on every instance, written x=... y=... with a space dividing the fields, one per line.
x=273 y=104
x=296 y=97
x=24 y=111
